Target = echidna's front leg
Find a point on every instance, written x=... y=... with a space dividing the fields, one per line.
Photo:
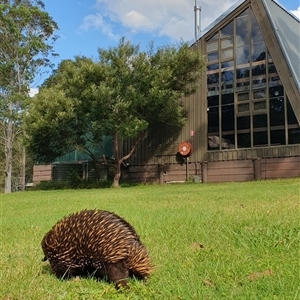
x=60 y=270
x=117 y=273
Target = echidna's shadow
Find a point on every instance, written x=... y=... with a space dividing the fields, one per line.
x=46 y=269
x=88 y=273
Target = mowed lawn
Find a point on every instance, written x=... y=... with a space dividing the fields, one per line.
x=207 y=241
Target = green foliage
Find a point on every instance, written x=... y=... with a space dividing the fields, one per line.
x=72 y=183
x=26 y=36
x=57 y=130
x=119 y=95
x=76 y=183
x=207 y=241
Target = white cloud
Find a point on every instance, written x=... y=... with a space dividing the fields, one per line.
x=97 y=21
x=33 y=91
x=296 y=12
x=176 y=29
x=136 y=20
x=171 y=18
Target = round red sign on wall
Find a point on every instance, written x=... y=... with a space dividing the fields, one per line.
x=185 y=149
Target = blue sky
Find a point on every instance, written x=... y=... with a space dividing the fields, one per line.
x=86 y=25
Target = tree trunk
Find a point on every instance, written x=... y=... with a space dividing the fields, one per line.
x=23 y=169
x=8 y=157
x=119 y=161
x=117 y=176
x=116 y=182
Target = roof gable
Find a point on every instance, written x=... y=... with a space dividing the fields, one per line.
x=219 y=19
x=287 y=30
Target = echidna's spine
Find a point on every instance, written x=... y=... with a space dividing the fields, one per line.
x=138 y=261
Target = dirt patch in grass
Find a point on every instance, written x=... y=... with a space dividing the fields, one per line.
x=258 y=275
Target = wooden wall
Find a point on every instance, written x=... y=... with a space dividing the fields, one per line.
x=280 y=167
x=216 y=171
x=238 y=170
x=163 y=173
x=263 y=152
x=41 y=173
x=207 y=171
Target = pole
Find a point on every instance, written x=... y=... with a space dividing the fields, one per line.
x=197 y=10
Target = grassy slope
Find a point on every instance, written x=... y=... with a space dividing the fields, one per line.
x=208 y=241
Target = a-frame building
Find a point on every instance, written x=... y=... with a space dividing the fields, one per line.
x=243 y=122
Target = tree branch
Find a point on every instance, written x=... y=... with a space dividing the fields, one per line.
x=142 y=135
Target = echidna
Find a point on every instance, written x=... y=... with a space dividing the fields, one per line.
x=98 y=243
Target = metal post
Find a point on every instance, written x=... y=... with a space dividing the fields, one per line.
x=187 y=169
x=197 y=10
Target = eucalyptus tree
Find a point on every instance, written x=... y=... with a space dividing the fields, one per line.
x=26 y=39
x=120 y=95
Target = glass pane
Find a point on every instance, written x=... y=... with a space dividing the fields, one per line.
x=259 y=121
x=243 y=96
x=242 y=31
x=242 y=73
x=213 y=120
x=213 y=82
x=244 y=140
x=228 y=141
x=243 y=107
x=227 y=117
x=226 y=54
x=258 y=53
x=213 y=77
x=212 y=101
x=259 y=75
x=244 y=13
x=273 y=75
x=277 y=137
x=227 y=65
x=259 y=94
x=243 y=122
x=227 y=75
x=294 y=136
x=212 y=46
x=242 y=55
x=215 y=37
x=290 y=114
x=277 y=111
x=227 y=80
x=276 y=91
x=227 y=98
x=256 y=35
x=227 y=30
x=213 y=142
x=226 y=144
x=244 y=86
x=259 y=105
x=212 y=56
x=272 y=68
x=260 y=138
x=226 y=43
x=242 y=77
x=213 y=67
x=269 y=56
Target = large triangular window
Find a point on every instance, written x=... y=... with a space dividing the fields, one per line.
x=246 y=103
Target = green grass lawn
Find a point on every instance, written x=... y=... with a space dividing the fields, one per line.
x=207 y=241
